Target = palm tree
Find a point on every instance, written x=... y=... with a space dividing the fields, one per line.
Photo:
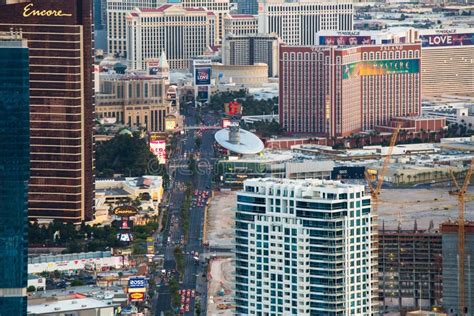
x=409 y=178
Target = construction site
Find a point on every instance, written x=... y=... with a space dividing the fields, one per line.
x=221 y=268
x=425 y=239
x=427 y=268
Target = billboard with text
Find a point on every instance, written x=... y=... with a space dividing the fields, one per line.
x=380 y=67
x=447 y=39
x=158 y=147
x=202 y=76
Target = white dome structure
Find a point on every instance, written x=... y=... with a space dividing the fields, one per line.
x=239 y=141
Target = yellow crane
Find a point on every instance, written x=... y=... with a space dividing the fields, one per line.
x=374 y=192
x=460 y=193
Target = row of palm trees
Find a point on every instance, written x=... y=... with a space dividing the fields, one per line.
x=400 y=177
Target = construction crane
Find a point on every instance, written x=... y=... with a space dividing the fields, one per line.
x=375 y=190
x=460 y=193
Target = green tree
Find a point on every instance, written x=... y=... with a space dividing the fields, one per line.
x=76 y=283
x=125 y=154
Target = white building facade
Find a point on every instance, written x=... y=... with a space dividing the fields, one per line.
x=303 y=247
x=240 y=24
x=116 y=11
x=182 y=33
x=219 y=7
x=297 y=22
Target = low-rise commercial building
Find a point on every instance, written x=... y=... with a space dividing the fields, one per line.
x=281 y=165
x=76 y=261
x=113 y=192
x=77 y=307
x=243 y=75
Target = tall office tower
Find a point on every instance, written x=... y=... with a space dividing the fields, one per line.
x=247 y=6
x=61 y=104
x=182 y=33
x=303 y=247
x=116 y=23
x=240 y=24
x=297 y=22
x=336 y=91
x=219 y=7
x=14 y=172
x=252 y=49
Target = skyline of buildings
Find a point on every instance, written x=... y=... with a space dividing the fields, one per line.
x=302 y=246
x=14 y=171
x=61 y=105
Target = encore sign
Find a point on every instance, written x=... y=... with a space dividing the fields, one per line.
x=29 y=11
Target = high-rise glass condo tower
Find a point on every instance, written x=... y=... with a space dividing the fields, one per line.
x=303 y=247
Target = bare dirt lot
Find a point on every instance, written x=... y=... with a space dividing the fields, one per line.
x=423 y=205
x=221 y=219
x=221 y=283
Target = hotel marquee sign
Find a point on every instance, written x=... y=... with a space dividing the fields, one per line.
x=29 y=11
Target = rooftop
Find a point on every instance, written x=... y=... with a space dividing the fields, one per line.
x=309 y=183
x=67 y=306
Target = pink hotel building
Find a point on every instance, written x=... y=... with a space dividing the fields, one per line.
x=335 y=91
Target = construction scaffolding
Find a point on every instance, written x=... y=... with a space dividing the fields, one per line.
x=451 y=271
x=410 y=269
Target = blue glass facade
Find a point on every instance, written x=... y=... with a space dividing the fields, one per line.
x=14 y=174
x=247 y=6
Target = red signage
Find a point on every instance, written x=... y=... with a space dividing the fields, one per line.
x=233 y=108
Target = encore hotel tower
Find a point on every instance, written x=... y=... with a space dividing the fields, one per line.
x=59 y=35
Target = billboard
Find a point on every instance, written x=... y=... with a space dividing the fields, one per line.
x=150 y=247
x=202 y=75
x=381 y=67
x=136 y=284
x=136 y=297
x=158 y=148
x=225 y=123
x=345 y=40
x=170 y=122
x=447 y=39
x=202 y=94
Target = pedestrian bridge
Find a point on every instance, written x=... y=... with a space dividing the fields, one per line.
x=194 y=127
